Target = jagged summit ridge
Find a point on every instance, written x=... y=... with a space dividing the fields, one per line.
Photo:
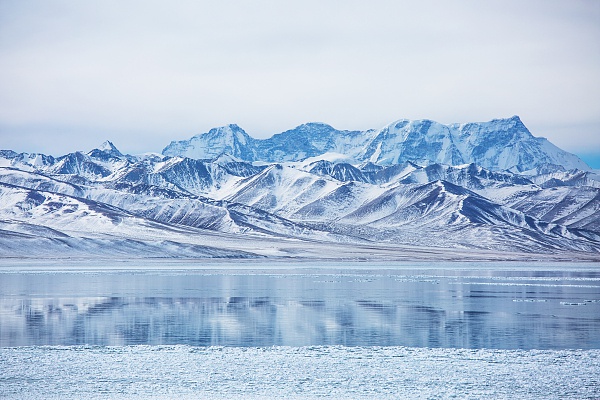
x=500 y=144
x=229 y=139
x=106 y=151
x=109 y=147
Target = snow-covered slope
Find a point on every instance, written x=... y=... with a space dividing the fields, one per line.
x=36 y=223
x=280 y=189
x=405 y=212
x=413 y=186
x=165 y=206
x=577 y=207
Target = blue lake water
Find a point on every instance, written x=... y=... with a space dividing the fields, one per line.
x=490 y=306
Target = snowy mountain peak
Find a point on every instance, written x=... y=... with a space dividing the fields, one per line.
x=500 y=144
x=106 y=147
x=229 y=139
x=508 y=129
x=231 y=129
x=314 y=126
x=507 y=144
x=514 y=121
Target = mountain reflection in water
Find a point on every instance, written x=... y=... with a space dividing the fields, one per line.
x=296 y=309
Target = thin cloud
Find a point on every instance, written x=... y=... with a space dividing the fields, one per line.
x=145 y=73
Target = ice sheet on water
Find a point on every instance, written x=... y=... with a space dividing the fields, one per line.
x=530 y=300
x=296 y=372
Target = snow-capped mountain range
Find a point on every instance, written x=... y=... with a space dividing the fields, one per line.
x=413 y=189
x=499 y=144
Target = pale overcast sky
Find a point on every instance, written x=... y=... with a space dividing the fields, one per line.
x=143 y=73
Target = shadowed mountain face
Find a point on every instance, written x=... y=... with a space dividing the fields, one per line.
x=475 y=187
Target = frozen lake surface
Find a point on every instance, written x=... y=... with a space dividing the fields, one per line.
x=335 y=330
x=184 y=372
